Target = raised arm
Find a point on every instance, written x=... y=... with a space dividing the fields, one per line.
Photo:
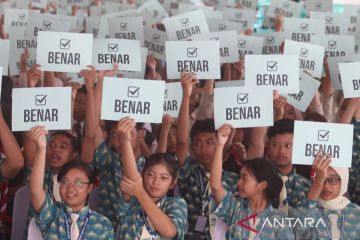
x=167 y=122
x=37 y=192
x=321 y=164
x=88 y=144
x=216 y=167
x=188 y=80
x=14 y=161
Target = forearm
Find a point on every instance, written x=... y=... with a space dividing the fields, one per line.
x=315 y=190
x=90 y=116
x=216 y=174
x=257 y=143
x=164 y=132
x=182 y=136
x=37 y=180
x=128 y=161
x=160 y=221
x=227 y=72
x=349 y=112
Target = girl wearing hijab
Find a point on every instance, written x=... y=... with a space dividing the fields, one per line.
x=336 y=216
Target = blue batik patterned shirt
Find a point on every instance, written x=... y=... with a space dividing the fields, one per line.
x=50 y=221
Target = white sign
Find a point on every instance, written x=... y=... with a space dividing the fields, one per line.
x=153 y=10
x=242 y=107
x=129 y=97
x=15 y=18
x=272 y=42
x=308 y=87
x=331 y=138
x=1 y=72
x=184 y=26
x=350 y=79
x=249 y=45
x=126 y=53
x=335 y=45
x=232 y=83
x=79 y=3
x=44 y=22
x=280 y=72
x=66 y=52
x=172 y=99
x=186 y=7
x=137 y=74
x=335 y=23
x=334 y=69
x=301 y=29
x=319 y=5
x=353 y=12
x=285 y=7
x=252 y=4
x=49 y=107
x=39 y=3
x=245 y=17
x=311 y=57
x=4 y=59
x=201 y=57
x=155 y=42
x=18 y=43
x=130 y=28
x=220 y=25
x=228 y=48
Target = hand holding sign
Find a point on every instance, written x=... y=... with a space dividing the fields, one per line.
x=23 y=60
x=124 y=128
x=109 y=73
x=321 y=164
x=188 y=80
x=90 y=77
x=34 y=75
x=279 y=105
x=223 y=133
x=37 y=135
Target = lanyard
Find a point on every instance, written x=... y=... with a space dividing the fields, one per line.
x=328 y=232
x=205 y=199
x=50 y=192
x=153 y=233
x=257 y=236
x=83 y=228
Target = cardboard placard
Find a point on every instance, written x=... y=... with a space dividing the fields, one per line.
x=335 y=23
x=172 y=99
x=66 y=52
x=249 y=45
x=245 y=17
x=49 y=107
x=153 y=10
x=39 y=3
x=311 y=57
x=4 y=59
x=308 y=87
x=135 y=98
x=285 y=7
x=272 y=42
x=319 y=5
x=227 y=40
x=44 y=22
x=185 y=7
x=15 y=18
x=155 y=42
x=130 y=28
x=201 y=57
x=335 y=71
x=353 y=12
x=126 y=53
x=242 y=107
x=350 y=79
x=92 y=25
x=335 y=45
x=280 y=72
x=301 y=29
x=331 y=138
x=137 y=74
x=184 y=26
x=221 y=25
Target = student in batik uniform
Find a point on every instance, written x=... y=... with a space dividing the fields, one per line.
x=148 y=212
x=259 y=187
x=104 y=154
x=194 y=170
x=71 y=218
x=279 y=152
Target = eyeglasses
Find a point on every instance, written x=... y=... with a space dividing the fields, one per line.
x=332 y=181
x=77 y=183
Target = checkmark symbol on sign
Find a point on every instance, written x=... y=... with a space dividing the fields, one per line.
x=47 y=24
x=112 y=47
x=40 y=100
x=241 y=43
x=222 y=27
x=272 y=66
x=123 y=26
x=329 y=20
x=304 y=52
x=242 y=98
x=133 y=92
x=332 y=44
x=270 y=40
x=65 y=43
x=304 y=27
x=156 y=37
x=323 y=135
x=166 y=93
x=192 y=52
x=185 y=22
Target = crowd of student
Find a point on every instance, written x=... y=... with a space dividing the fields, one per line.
x=178 y=179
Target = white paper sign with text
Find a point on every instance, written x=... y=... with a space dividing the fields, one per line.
x=301 y=29
x=350 y=79
x=49 y=107
x=4 y=59
x=330 y=138
x=335 y=45
x=172 y=99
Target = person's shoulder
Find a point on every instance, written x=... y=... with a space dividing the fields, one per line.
x=100 y=218
x=175 y=200
x=303 y=180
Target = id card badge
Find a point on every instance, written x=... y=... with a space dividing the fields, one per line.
x=200 y=223
x=212 y=223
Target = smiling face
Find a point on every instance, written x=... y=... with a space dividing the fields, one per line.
x=157 y=181
x=59 y=151
x=203 y=147
x=71 y=191
x=332 y=185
